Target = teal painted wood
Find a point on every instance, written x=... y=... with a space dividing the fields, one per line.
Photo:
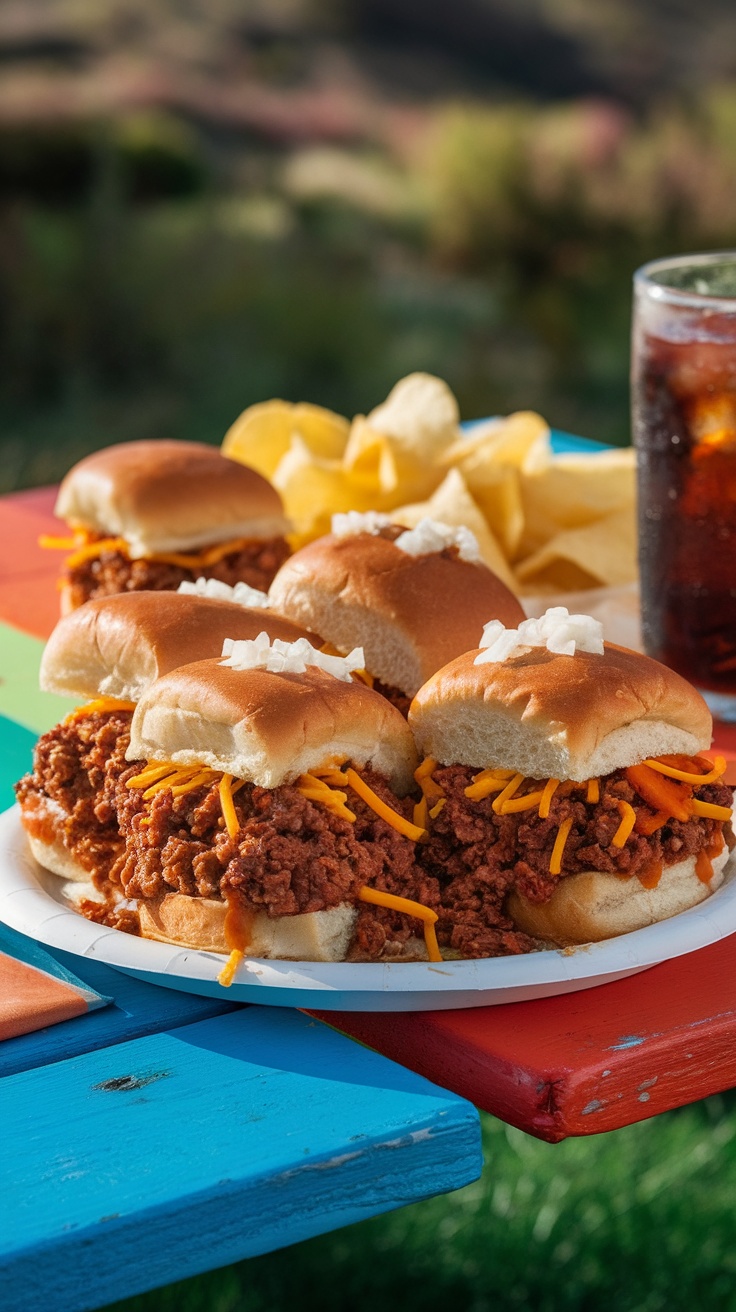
x=16 y=757
x=138 y=1009
x=566 y=443
x=129 y=1168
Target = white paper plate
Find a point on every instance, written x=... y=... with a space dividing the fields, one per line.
x=31 y=901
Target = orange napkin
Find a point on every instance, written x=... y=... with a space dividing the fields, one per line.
x=35 y=990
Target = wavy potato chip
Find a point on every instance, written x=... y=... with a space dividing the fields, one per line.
x=520 y=440
x=420 y=416
x=453 y=504
x=603 y=553
x=575 y=490
x=370 y=460
x=313 y=489
x=261 y=435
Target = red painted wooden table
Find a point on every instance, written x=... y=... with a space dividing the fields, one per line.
x=572 y=1065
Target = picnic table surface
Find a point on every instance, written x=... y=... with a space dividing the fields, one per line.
x=168 y=1134
x=576 y=1064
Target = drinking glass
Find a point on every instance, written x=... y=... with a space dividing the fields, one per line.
x=684 y=421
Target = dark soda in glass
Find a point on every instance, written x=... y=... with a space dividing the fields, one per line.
x=684 y=414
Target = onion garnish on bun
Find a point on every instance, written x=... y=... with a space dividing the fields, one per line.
x=267 y=814
x=571 y=801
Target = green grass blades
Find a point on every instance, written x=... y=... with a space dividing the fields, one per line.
x=634 y=1221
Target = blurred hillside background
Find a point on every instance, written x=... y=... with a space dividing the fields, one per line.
x=204 y=203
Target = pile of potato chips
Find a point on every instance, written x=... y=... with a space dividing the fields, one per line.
x=546 y=524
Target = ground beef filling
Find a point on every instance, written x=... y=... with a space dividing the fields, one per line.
x=112 y=571
x=290 y=856
x=70 y=794
x=401 y=700
x=477 y=856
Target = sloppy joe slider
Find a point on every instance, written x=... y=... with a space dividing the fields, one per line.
x=109 y=651
x=267 y=816
x=412 y=599
x=567 y=796
x=150 y=514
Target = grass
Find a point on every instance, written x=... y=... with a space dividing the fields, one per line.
x=634 y=1221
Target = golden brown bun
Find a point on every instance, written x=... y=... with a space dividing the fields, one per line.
x=270 y=728
x=591 y=906
x=562 y=717
x=199 y=922
x=410 y=614
x=116 y=646
x=169 y=496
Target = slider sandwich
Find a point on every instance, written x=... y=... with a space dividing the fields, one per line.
x=266 y=813
x=109 y=651
x=149 y=515
x=411 y=598
x=566 y=794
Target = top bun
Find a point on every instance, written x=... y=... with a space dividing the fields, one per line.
x=562 y=717
x=169 y=496
x=117 y=646
x=410 y=614
x=269 y=728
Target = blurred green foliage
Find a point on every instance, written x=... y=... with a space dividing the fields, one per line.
x=146 y=292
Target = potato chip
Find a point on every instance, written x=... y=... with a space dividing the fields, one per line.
x=453 y=504
x=313 y=489
x=600 y=553
x=420 y=417
x=575 y=490
x=520 y=440
x=261 y=435
x=370 y=461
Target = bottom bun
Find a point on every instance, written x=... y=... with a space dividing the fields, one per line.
x=199 y=922
x=57 y=858
x=591 y=906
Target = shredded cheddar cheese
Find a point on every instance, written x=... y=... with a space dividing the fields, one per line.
x=421 y=814
x=101 y=704
x=555 y=861
x=593 y=791
x=507 y=793
x=92 y=549
x=548 y=792
x=381 y=809
x=227 y=974
x=431 y=790
x=150 y=775
x=628 y=820
x=719 y=768
x=710 y=810
x=409 y=908
x=435 y=810
x=226 y=802
x=524 y=803
x=317 y=790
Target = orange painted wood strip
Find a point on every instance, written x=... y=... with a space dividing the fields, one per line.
x=29 y=597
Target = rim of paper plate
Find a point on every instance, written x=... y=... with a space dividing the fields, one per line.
x=31 y=901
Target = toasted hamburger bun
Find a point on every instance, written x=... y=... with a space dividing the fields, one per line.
x=169 y=496
x=411 y=614
x=562 y=717
x=591 y=906
x=572 y=717
x=269 y=728
x=199 y=922
x=117 y=646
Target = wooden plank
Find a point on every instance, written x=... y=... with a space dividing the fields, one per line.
x=164 y=1157
x=584 y=1062
x=29 y=597
x=20 y=697
x=138 y=1009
